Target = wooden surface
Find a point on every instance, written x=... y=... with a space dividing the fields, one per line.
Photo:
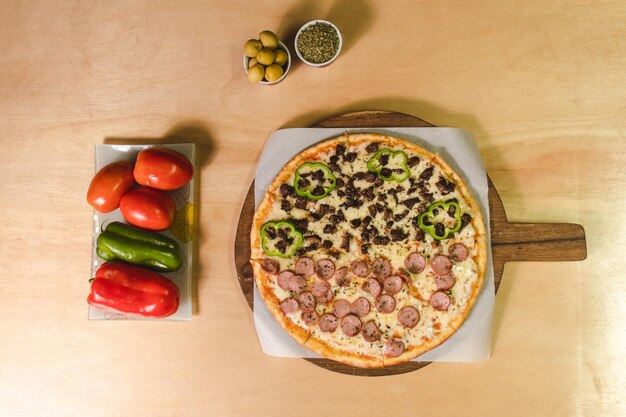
x=510 y=241
x=539 y=85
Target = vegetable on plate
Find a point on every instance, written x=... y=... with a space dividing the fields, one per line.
x=130 y=289
x=162 y=168
x=148 y=208
x=109 y=185
x=139 y=247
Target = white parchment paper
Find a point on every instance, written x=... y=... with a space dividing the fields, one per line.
x=183 y=197
x=472 y=342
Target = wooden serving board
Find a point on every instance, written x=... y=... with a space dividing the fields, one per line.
x=510 y=242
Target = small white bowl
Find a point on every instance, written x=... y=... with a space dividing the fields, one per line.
x=311 y=23
x=246 y=60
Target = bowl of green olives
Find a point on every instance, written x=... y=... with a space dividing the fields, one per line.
x=318 y=43
x=266 y=60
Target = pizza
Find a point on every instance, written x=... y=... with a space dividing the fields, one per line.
x=368 y=249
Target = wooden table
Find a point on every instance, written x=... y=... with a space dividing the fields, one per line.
x=539 y=84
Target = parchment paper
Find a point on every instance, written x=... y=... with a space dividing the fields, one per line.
x=472 y=342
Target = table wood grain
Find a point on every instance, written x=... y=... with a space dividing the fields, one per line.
x=539 y=84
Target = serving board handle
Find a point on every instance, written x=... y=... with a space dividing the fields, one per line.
x=530 y=242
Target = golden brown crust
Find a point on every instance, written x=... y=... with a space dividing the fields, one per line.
x=318 y=345
x=265 y=283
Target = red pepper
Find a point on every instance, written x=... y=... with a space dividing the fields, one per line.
x=125 y=288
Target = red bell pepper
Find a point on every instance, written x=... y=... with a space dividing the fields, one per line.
x=125 y=288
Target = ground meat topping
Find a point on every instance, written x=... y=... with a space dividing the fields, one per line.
x=411 y=202
x=329 y=229
x=287 y=190
x=413 y=161
x=398 y=235
x=349 y=157
x=426 y=174
x=444 y=186
x=381 y=240
x=372 y=147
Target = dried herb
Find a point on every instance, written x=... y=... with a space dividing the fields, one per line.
x=318 y=43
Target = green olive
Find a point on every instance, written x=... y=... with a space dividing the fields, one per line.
x=281 y=57
x=268 y=39
x=256 y=73
x=252 y=62
x=252 y=47
x=265 y=56
x=273 y=72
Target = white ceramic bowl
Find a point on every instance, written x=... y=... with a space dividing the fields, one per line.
x=311 y=23
x=246 y=60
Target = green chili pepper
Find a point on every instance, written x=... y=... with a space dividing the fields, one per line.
x=288 y=237
x=304 y=187
x=423 y=221
x=376 y=165
x=138 y=246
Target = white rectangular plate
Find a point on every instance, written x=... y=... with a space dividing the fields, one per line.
x=181 y=231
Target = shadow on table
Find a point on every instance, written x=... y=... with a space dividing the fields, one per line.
x=191 y=131
x=438 y=116
x=352 y=17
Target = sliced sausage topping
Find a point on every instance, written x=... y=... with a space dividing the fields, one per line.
x=385 y=304
x=381 y=268
x=394 y=348
x=328 y=323
x=351 y=325
x=319 y=288
x=441 y=265
x=325 y=269
x=304 y=266
x=392 y=284
x=360 y=306
x=373 y=287
x=370 y=333
x=271 y=266
x=415 y=263
x=310 y=317
x=445 y=282
x=360 y=269
x=408 y=316
x=440 y=301
x=342 y=277
x=458 y=252
x=289 y=305
x=307 y=301
x=283 y=279
x=296 y=283
x=341 y=308
x=326 y=298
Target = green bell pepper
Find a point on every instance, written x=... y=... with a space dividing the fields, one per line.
x=304 y=187
x=399 y=172
x=283 y=235
x=424 y=223
x=138 y=246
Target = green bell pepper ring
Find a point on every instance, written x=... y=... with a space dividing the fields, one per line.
x=424 y=223
x=139 y=247
x=317 y=192
x=398 y=173
x=289 y=238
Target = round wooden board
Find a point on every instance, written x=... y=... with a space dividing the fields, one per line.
x=509 y=241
